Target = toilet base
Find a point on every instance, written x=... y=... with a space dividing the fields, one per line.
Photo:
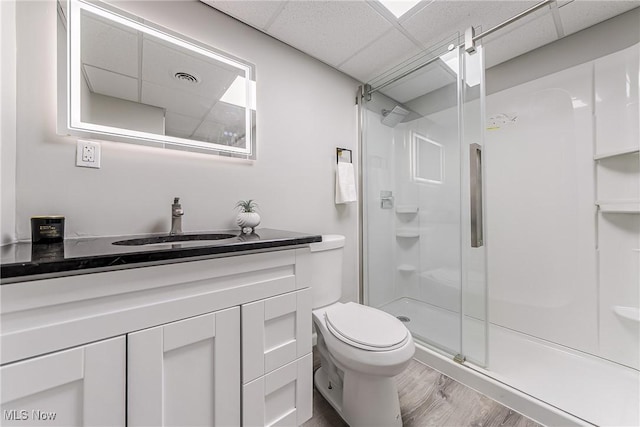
x=332 y=395
x=368 y=400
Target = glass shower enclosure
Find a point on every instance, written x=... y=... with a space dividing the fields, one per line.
x=423 y=252
x=561 y=212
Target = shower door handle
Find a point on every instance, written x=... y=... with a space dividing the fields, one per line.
x=475 y=184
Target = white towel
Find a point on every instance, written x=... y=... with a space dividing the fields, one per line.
x=345 y=183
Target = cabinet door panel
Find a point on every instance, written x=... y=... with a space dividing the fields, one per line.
x=83 y=386
x=281 y=398
x=275 y=331
x=187 y=372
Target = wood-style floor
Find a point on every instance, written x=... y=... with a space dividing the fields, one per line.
x=429 y=398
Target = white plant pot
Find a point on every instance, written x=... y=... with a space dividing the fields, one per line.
x=248 y=220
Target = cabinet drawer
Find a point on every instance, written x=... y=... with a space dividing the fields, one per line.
x=281 y=398
x=275 y=331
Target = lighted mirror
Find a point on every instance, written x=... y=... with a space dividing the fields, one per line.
x=136 y=81
x=428 y=160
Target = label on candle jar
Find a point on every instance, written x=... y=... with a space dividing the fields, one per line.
x=47 y=229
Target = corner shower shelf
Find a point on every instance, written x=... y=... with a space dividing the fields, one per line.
x=619 y=206
x=406 y=268
x=631 y=313
x=408 y=234
x=407 y=209
x=616 y=153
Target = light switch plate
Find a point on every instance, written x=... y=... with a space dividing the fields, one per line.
x=88 y=154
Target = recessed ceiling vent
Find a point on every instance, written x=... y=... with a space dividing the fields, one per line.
x=186 y=77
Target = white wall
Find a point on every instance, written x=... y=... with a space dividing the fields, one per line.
x=8 y=122
x=305 y=110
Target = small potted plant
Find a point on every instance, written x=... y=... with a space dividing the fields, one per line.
x=248 y=217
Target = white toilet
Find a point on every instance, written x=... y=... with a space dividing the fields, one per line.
x=361 y=348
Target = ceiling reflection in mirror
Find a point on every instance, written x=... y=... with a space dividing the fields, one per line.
x=132 y=79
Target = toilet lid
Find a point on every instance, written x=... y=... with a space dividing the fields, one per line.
x=365 y=327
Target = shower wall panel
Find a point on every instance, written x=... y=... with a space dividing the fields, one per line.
x=440 y=275
x=407 y=220
x=541 y=233
x=380 y=225
x=617 y=110
x=564 y=207
x=617 y=78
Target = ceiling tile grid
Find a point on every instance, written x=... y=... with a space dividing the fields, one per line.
x=528 y=33
x=209 y=131
x=111 y=84
x=332 y=31
x=430 y=78
x=112 y=47
x=362 y=39
x=258 y=14
x=179 y=125
x=441 y=19
x=390 y=49
x=390 y=17
x=580 y=14
x=160 y=64
x=227 y=113
x=176 y=101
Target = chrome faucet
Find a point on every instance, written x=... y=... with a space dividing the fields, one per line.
x=176 y=217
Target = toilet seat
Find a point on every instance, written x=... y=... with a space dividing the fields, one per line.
x=365 y=327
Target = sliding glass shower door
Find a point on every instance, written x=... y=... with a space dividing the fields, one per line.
x=422 y=145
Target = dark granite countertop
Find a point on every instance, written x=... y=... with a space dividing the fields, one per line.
x=24 y=261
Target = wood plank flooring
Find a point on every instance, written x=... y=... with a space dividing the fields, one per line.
x=429 y=398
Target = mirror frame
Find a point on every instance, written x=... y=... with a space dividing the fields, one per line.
x=74 y=80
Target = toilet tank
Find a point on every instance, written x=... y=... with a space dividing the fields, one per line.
x=326 y=270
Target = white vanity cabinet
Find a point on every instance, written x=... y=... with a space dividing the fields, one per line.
x=186 y=373
x=81 y=386
x=172 y=338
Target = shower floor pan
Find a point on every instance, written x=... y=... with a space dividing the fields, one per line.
x=435 y=325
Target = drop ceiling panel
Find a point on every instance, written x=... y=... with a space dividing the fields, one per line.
x=331 y=31
x=421 y=82
x=210 y=132
x=109 y=46
x=160 y=63
x=580 y=14
x=179 y=125
x=347 y=34
x=254 y=13
x=232 y=115
x=219 y=133
x=175 y=101
x=440 y=19
x=529 y=33
x=387 y=51
x=111 y=84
